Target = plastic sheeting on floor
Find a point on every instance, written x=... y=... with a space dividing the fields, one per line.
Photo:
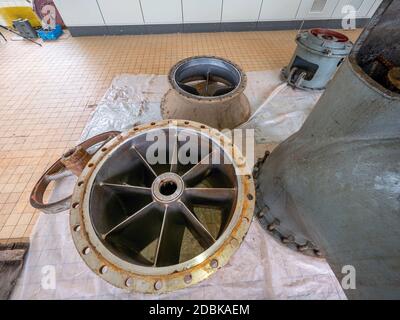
x=260 y=269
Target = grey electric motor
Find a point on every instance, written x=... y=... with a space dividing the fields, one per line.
x=318 y=55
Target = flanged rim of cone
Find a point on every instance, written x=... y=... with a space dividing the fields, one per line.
x=209 y=90
x=274 y=226
x=190 y=78
x=166 y=188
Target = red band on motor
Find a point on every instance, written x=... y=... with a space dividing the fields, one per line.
x=339 y=37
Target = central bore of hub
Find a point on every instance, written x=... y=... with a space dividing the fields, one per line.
x=168 y=187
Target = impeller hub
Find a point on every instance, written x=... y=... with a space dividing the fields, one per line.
x=167 y=187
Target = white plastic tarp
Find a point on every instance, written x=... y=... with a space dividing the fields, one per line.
x=260 y=269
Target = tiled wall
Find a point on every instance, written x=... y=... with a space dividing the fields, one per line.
x=15 y=3
x=143 y=12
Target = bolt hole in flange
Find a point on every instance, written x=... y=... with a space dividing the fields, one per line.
x=103 y=269
x=153 y=219
x=129 y=282
x=158 y=285
x=188 y=278
x=214 y=263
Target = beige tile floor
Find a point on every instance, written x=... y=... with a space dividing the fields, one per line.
x=47 y=94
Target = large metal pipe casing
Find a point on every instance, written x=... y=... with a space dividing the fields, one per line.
x=336 y=182
x=209 y=90
x=221 y=114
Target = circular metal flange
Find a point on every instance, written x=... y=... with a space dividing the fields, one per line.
x=207 y=78
x=209 y=90
x=156 y=228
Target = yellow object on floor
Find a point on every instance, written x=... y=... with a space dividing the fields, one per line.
x=8 y=14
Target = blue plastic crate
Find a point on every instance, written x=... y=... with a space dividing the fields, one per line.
x=50 y=35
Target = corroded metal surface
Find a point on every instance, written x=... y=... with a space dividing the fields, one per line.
x=208 y=90
x=75 y=160
x=58 y=170
x=158 y=227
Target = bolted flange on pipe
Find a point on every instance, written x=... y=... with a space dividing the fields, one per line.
x=335 y=184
